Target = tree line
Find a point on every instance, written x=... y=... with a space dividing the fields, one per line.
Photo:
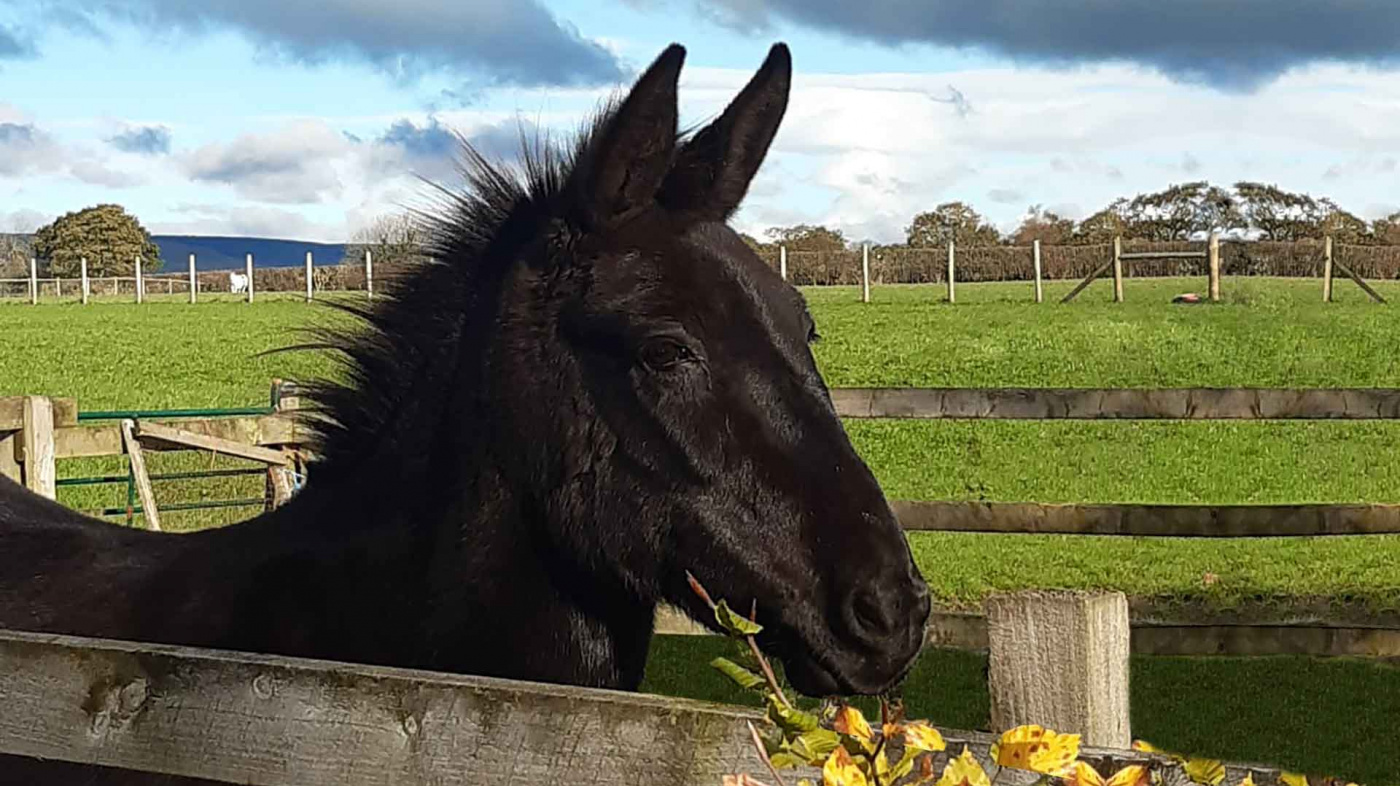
x=111 y=239
x=1185 y=211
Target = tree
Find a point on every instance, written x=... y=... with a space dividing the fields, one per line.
x=1278 y=214
x=106 y=235
x=1043 y=225
x=15 y=250
x=953 y=221
x=807 y=237
x=1102 y=226
x=1181 y=211
x=1387 y=230
x=394 y=240
x=1343 y=225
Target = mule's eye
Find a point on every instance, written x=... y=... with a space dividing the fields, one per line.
x=812 y=335
x=665 y=354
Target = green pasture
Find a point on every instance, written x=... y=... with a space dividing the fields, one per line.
x=1322 y=715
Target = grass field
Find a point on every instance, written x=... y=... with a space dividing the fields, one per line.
x=1266 y=333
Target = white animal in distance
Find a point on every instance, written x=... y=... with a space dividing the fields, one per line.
x=237 y=282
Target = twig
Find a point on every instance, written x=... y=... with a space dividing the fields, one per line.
x=696 y=587
x=772 y=679
x=763 y=753
x=767 y=672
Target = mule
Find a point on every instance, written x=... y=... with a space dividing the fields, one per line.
x=591 y=387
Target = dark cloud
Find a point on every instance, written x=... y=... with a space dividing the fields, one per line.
x=148 y=140
x=13 y=45
x=508 y=41
x=433 y=149
x=1238 y=45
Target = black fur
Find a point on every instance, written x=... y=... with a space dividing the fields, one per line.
x=592 y=387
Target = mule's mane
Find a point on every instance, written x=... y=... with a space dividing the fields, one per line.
x=406 y=347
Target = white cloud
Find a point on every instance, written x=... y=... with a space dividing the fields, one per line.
x=296 y=164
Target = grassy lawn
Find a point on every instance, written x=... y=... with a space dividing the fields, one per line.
x=1266 y=333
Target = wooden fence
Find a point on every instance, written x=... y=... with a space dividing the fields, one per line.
x=865 y=267
x=274 y=721
x=268 y=720
x=306 y=278
x=1210 y=259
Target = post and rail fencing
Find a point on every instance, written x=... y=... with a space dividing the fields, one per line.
x=308 y=278
x=866 y=267
x=1096 y=631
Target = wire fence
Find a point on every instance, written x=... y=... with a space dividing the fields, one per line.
x=903 y=265
x=844 y=267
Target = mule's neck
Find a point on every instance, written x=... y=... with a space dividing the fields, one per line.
x=488 y=590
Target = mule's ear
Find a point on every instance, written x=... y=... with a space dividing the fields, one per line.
x=629 y=155
x=713 y=170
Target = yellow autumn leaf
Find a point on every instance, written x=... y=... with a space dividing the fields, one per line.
x=1081 y=774
x=1132 y=775
x=1294 y=779
x=1036 y=749
x=924 y=737
x=1248 y=779
x=851 y=722
x=1207 y=772
x=841 y=770
x=964 y=771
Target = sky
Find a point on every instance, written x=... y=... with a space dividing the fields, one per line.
x=301 y=120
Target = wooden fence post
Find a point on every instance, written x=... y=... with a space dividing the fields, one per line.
x=85 y=285
x=1117 y=269
x=1214 y=260
x=951 y=275
x=138 y=471
x=369 y=273
x=194 y=282
x=33 y=281
x=248 y=268
x=865 y=272
x=40 y=473
x=140 y=283
x=1327 y=269
x=782 y=262
x=1035 y=251
x=1060 y=660
x=308 y=277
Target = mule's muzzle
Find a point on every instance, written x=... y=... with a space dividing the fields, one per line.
x=874 y=634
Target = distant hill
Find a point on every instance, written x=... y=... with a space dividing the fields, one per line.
x=227 y=253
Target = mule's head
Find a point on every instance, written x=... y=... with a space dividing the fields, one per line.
x=668 y=402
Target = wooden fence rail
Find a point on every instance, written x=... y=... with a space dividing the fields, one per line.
x=1119 y=403
x=276 y=721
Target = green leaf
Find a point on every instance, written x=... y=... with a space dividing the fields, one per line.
x=786 y=761
x=814 y=746
x=734 y=624
x=790 y=719
x=740 y=675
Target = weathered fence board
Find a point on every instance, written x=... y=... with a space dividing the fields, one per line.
x=274 y=721
x=65 y=412
x=1119 y=403
x=88 y=441
x=1181 y=521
